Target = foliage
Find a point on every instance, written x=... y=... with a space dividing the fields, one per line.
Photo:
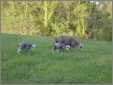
x=52 y=18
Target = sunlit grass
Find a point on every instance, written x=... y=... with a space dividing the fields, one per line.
x=91 y=64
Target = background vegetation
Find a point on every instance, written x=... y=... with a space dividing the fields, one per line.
x=85 y=19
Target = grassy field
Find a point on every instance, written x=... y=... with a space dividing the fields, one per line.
x=91 y=64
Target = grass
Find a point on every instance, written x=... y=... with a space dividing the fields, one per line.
x=91 y=64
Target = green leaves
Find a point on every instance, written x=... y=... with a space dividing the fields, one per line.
x=55 y=17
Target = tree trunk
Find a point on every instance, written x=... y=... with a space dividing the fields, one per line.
x=45 y=14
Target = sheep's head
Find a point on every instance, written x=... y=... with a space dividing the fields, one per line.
x=33 y=45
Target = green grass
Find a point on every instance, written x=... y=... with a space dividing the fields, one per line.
x=91 y=64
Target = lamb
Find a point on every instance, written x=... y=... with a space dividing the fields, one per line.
x=60 y=46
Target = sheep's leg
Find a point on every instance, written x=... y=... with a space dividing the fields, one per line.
x=18 y=50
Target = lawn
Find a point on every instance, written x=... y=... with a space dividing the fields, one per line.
x=91 y=64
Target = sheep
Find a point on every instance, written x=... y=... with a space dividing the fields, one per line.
x=24 y=46
x=67 y=42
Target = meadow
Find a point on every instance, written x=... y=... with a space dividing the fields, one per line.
x=91 y=64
